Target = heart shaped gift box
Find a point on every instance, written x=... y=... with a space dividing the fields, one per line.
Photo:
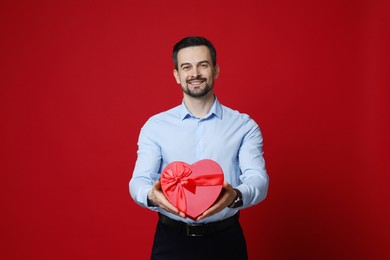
x=192 y=188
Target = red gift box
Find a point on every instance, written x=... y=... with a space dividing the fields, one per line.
x=192 y=188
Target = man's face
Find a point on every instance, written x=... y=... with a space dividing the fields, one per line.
x=195 y=72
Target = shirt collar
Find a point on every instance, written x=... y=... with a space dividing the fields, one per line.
x=216 y=110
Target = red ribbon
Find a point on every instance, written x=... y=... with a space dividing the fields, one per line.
x=177 y=179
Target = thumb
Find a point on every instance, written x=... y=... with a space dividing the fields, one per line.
x=226 y=185
x=157 y=185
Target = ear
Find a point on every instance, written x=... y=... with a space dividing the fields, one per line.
x=176 y=75
x=216 y=71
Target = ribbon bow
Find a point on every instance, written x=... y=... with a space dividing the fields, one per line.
x=177 y=178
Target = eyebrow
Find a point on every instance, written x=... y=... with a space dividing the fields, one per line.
x=200 y=62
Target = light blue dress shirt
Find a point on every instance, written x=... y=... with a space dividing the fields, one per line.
x=224 y=135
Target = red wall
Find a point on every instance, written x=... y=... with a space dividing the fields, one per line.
x=79 y=78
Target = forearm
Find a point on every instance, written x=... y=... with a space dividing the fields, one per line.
x=254 y=189
x=146 y=170
x=139 y=188
x=254 y=179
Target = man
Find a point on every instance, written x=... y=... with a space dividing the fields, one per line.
x=200 y=128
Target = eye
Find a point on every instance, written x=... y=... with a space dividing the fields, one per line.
x=204 y=65
x=185 y=67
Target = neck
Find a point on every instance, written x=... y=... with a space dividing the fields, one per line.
x=199 y=107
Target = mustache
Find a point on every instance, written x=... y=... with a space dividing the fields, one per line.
x=197 y=78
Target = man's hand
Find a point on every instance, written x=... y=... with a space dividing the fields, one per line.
x=157 y=198
x=226 y=198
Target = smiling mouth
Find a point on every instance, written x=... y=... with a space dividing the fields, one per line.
x=196 y=82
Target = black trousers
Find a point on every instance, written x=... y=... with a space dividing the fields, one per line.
x=172 y=244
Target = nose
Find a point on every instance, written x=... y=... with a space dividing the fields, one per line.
x=194 y=72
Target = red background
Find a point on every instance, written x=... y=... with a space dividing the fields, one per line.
x=79 y=79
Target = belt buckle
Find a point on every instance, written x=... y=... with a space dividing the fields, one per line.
x=191 y=230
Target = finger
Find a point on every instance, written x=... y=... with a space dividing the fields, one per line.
x=173 y=209
x=157 y=185
x=222 y=202
x=166 y=205
x=211 y=211
x=217 y=207
x=164 y=202
x=227 y=186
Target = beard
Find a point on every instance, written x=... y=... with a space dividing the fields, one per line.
x=197 y=93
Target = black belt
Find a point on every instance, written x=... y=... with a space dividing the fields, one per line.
x=197 y=230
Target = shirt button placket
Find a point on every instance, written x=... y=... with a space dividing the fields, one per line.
x=199 y=133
